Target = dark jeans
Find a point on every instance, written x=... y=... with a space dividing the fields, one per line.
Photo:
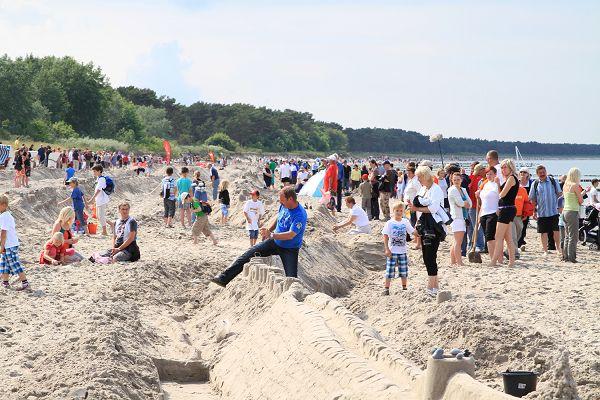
x=289 y=258
x=430 y=256
x=339 y=195
x=375 y=207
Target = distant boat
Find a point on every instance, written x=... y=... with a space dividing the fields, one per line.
x=519 y=161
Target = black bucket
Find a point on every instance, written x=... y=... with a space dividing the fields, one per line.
x=519 y=383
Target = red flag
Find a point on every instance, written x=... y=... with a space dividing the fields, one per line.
x=167 y=147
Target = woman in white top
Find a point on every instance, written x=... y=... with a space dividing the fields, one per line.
x=489 y=195
x=459 y=210
x=431 y=194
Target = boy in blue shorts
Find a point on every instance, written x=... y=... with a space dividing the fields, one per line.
x=9 y=248
x=78 y=203
x=395 y=233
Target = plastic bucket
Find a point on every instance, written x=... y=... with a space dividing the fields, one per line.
x=519 y=383
x=92 y=228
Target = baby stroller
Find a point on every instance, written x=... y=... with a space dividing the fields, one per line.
x=588 y=231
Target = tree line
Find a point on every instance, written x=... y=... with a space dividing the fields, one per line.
x=51 y=97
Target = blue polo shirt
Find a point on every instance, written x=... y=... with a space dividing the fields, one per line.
x=291 y=220
x=545 y=197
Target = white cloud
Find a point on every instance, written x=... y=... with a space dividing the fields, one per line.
x=494 y=70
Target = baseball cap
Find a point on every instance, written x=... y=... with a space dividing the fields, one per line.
x=72 y=179
x=524 y=169
x=332 y=157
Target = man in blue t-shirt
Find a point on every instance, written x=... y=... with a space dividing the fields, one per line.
x=70 y=172
x=282 y=238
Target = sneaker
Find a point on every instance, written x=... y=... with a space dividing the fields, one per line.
x=386 y=292
x=217 y=281
x=522 y=248
x=430 y=292
x=24 y=286
x=404 y=288
x=6 y=285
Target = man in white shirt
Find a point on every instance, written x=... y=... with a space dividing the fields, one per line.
x=492 y=158
x=286 y=173
x=358 y=217
x=592 y=193
x=101 y=198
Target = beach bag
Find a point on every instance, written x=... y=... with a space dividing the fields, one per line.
x=100 y=259
x=110 y=185
x=206 y=208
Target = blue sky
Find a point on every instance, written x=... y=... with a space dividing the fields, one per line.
x=524 y=70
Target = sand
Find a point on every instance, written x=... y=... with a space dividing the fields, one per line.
x=132 y=330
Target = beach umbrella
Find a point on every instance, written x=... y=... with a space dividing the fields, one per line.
x=313 y=186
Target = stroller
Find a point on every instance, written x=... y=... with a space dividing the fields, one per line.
x=588 y=230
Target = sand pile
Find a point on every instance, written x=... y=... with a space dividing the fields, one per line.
x=123 y=331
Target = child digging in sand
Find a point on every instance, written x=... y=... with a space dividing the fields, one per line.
x=9 y=247
x=201 y=210
x=54 y=252
x=396 y=252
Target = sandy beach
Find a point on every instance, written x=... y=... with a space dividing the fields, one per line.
x=106 y=331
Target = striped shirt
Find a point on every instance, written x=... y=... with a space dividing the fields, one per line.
x=545 y=197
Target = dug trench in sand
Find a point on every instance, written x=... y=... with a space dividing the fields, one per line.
x=106 y=331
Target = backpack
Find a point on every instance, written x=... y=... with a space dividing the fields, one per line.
x=537 y=182
x=110 y=185
x=165 y=193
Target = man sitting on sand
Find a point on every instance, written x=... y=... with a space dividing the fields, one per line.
x=358 y=217
x=124 y=246
x=282 y=238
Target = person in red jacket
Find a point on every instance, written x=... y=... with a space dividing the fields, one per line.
x=476 y=178
x=330 y=180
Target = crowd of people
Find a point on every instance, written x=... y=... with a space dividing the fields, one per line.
x=487 y=210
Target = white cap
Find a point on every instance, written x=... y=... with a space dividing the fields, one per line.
x=332 y=157
x=524 y=169
x=426 y=163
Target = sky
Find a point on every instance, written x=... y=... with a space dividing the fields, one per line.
x=504 y=70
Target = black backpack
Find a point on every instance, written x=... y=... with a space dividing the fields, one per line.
x=537 y=182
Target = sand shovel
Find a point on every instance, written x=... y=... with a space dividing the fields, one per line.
x=474 y=256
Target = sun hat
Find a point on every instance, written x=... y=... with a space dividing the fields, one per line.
x=477 y=168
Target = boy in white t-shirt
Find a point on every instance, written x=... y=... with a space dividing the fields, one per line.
x=396 y=251
x=253 y=210
x=358 y=217
x=9 y=247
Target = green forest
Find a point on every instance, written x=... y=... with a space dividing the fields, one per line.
x=51 y=98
